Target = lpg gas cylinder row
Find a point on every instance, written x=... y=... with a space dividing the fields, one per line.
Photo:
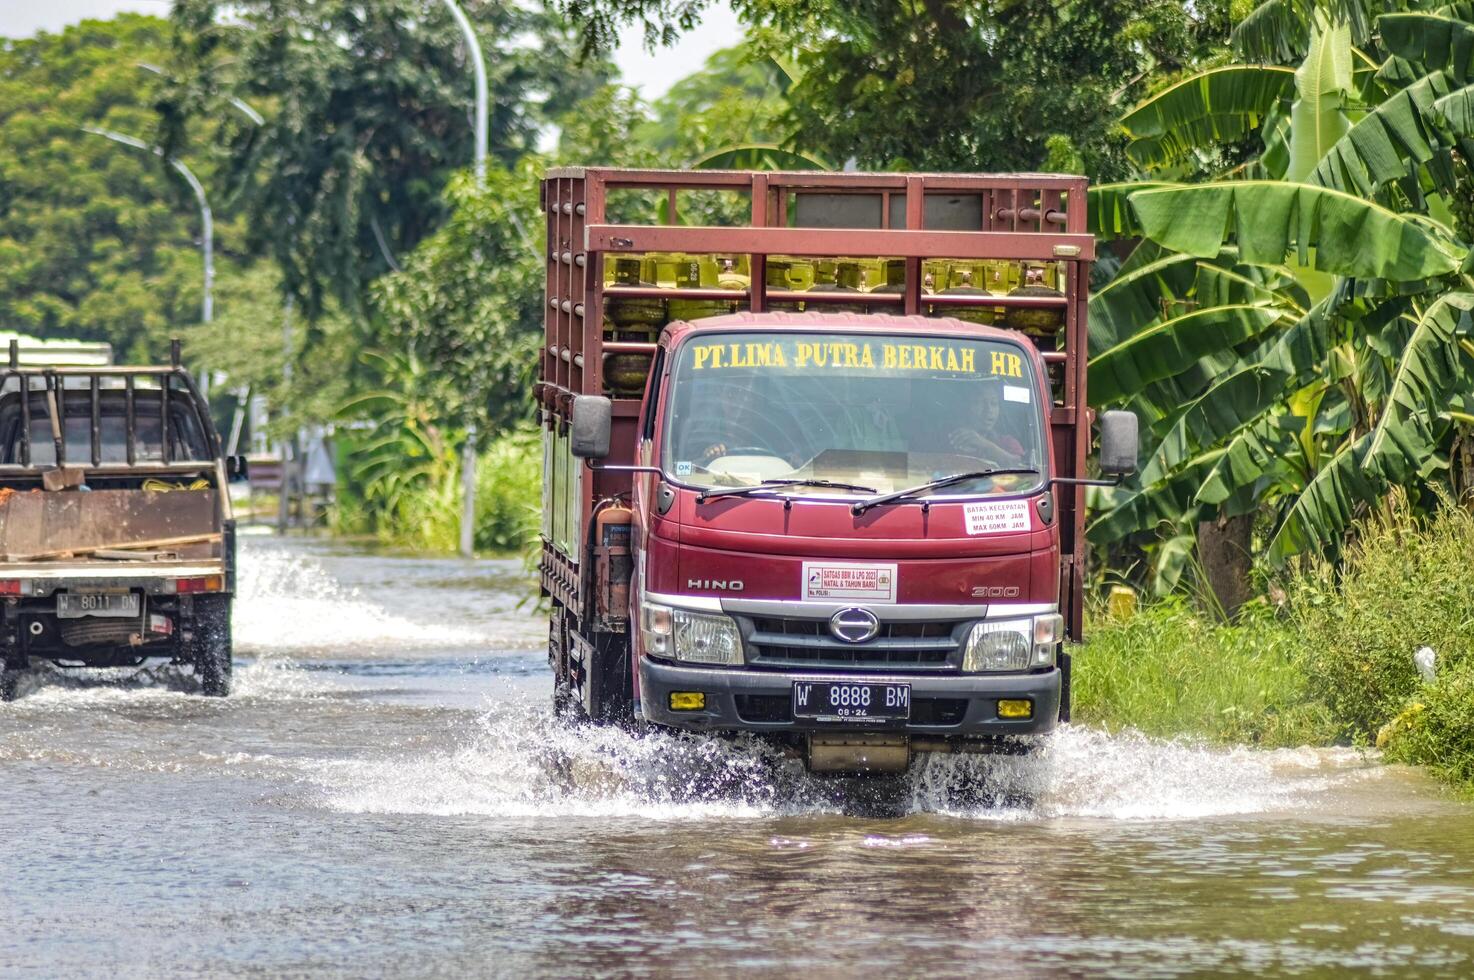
x=640 y=318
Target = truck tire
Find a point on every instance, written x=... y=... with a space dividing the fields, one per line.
x=212 y=644
x=9 y=680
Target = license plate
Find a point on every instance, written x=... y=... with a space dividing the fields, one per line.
x=75 y=605
x=848 y=701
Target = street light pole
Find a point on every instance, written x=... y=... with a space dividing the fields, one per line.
x=207 y=218
x=468 y=451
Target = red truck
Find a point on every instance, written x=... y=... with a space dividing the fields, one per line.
x=815 y=450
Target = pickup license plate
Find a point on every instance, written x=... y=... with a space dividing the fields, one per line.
x=851 y=701
x=75 y=605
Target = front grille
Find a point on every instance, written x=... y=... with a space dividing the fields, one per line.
x=778 y=709
x=926 y=645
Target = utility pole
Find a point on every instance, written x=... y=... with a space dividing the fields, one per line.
x=468 y=451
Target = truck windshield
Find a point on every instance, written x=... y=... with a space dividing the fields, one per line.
x=882 y=411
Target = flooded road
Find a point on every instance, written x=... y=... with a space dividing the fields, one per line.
x=387 y=794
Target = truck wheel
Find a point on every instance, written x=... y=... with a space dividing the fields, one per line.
x=9 y=680
x=212 y=657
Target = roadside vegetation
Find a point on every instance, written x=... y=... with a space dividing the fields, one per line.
x=1333 y=662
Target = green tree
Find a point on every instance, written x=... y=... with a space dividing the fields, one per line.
x=97 y=240
x=969 y=85
x=469 y=301
x=1328 y=355
x=368 y=113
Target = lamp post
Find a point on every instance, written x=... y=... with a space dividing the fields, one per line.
x=207 y=218
x=468 y=451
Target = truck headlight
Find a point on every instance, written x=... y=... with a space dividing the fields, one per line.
x=1013 y=644
x=693 y=637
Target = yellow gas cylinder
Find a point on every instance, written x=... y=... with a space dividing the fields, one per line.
x=1035 y=320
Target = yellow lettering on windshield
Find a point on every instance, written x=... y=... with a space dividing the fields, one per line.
x=1008 y=365
x=839 y=354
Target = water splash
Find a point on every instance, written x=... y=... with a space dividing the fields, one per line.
x=522 y=763
x=288 y=602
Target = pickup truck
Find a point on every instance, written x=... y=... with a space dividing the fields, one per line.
x=117 y=543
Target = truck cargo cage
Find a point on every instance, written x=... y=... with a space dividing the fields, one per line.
x=914 y=225
x=48 y=390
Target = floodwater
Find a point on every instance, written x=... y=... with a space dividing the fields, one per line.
x=387 y=794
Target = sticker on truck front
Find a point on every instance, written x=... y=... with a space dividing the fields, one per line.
x=849 y=580
x=996 y=516
x=1016 y=393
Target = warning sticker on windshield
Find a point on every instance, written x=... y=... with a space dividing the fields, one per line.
x=996 y=516
x=849 y=580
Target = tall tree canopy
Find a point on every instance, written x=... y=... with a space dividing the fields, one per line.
x=368 y=112
x=97 y=240
x=964 y=85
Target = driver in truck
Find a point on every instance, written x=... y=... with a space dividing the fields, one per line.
x=980 y=433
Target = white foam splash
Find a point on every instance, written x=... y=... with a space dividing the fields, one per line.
x=46 y=688
x=522 y=763
x=288 y=602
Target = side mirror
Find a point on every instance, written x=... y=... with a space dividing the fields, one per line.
x=1119 y=444
x=589 y=433
x=236 y=469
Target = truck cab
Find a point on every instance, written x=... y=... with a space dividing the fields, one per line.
x=857 y=532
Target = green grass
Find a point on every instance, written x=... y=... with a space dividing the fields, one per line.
x=1333 y=665
x=1170 y=671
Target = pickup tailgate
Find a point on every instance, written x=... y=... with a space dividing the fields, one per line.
x=106 y=525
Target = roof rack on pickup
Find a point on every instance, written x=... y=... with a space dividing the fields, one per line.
x=53 y=392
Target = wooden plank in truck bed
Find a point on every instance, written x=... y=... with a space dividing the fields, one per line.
x=50 y=523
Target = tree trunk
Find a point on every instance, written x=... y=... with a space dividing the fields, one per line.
x=1223 y=547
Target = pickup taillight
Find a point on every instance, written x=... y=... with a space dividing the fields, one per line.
x=205 y=583
x=10 y=586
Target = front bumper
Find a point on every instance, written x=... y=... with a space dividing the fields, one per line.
x=759 y=700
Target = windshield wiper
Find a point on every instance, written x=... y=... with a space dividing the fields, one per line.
x=945 y=481
x=775 y=485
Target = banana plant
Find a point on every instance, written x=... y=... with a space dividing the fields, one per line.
x=1298 y=331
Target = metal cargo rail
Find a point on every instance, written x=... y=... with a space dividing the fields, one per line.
x=52 y=392
x=905 y=217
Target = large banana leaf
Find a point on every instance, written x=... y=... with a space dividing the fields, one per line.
x=1171 y=346
x=1389 y=143
x=1402 y=445
x=1322 y=83
x=1349 y=236
x=1245 y=461
x=1431 y=41
x=1273 y=31
x=1279 y=30
x=1429 y=370
x=1457 y=110
x=1220 y=105
x=1170 y=501
x=1222 y=410
x=1134 y=300
x=1110 y=211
